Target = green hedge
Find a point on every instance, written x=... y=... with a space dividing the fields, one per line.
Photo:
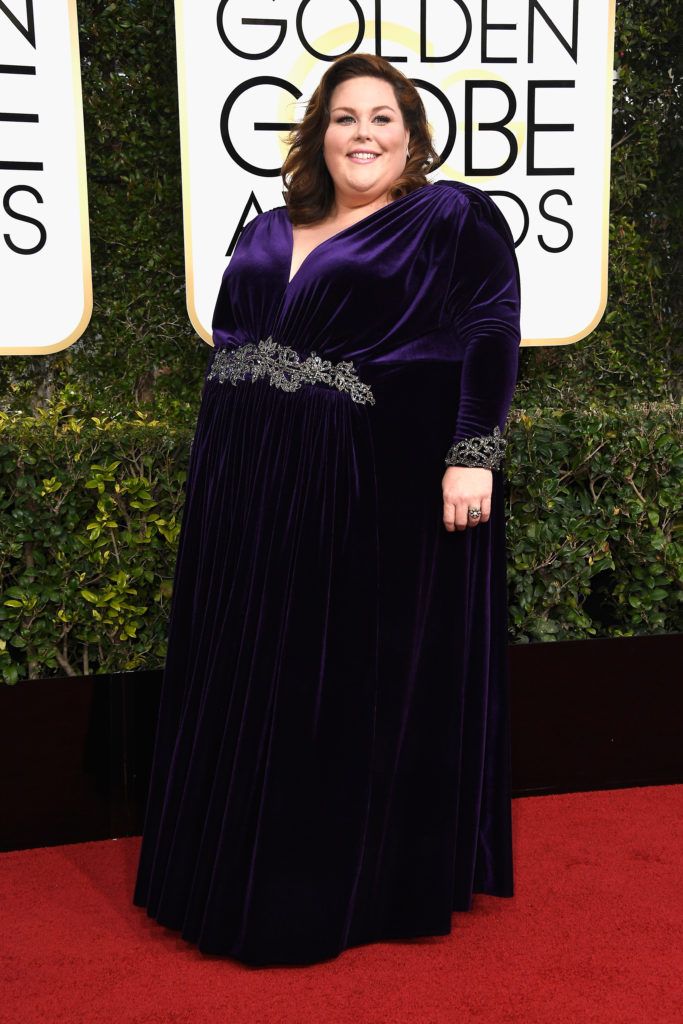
x=89 y=522
x=132 y=385
x=595 y=542
x=90 y=515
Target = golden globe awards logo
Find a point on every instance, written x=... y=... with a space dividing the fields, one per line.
x=518 y=95
x=45 y=245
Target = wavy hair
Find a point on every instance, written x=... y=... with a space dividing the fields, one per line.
x=309 y=187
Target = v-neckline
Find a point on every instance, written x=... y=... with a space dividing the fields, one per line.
x=342 y=231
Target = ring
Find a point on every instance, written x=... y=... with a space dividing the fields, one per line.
x=474 y=512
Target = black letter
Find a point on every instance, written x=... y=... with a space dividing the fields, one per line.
x=22 y=216
x=259 y=126
x=532 y=128
x=485 y=27
x=252 y=202
x=324 y=56
x=556 y=220
x=250 y=21
x=452 y=124
x=378 y=35
x=572 y=48
x=522 y=207
x=424 y=58
x=489 y=126
x=28 y=30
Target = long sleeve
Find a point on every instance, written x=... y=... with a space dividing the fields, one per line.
x=483 y=306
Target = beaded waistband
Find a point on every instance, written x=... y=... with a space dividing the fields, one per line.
x=286 y=369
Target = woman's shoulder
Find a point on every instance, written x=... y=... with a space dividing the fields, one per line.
x=261 y=218
x=463 y=195
x=257 y=228
x=466 y=204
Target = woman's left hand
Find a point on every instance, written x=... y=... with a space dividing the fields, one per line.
x=466 y=487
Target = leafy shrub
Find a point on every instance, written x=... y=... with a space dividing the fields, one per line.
x=90 y=515
x=89 y=521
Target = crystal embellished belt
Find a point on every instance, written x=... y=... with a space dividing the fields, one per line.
x=286 y=370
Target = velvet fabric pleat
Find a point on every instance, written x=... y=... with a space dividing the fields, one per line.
x=332 y=757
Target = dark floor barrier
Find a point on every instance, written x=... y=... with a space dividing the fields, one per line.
x=75 y=752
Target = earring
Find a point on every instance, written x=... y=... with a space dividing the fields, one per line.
x=407 y=154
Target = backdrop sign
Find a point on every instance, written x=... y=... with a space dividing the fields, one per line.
x=518 y=95
x=45 y=244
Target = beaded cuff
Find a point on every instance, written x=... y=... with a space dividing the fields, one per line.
x=487 y=452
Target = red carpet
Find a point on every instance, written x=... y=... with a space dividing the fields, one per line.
x=592 y=936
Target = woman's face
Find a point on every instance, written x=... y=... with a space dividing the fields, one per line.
x=364 y=116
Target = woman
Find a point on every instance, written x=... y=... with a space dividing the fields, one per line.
x=331 y=764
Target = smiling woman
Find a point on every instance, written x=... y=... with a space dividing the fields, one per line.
x=360 y=106
x=331 y=764
x=357 y=138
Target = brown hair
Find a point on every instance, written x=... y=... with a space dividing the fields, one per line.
x=309 y=185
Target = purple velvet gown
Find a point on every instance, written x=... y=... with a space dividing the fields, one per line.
x=332 y=755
